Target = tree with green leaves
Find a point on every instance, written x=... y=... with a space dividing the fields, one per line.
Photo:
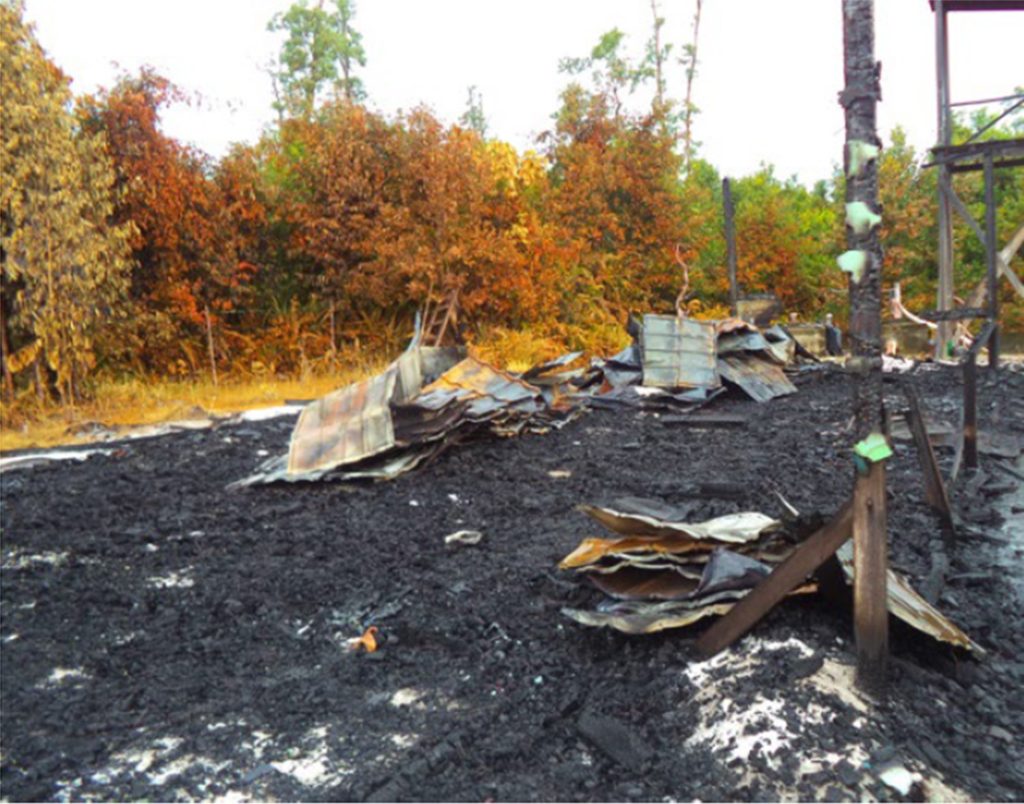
x=63 y=263
x=473 y=118
x=319 y=55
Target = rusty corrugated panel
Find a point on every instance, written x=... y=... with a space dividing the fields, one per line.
x=678 y=352
x=907 y=605
x=355 y=423
x=488 y=391
x=758 y=377
x=345 y=426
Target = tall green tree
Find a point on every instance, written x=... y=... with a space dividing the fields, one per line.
x=319 y=56
x=64 y=263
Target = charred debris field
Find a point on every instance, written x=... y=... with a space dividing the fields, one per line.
x=164 y=637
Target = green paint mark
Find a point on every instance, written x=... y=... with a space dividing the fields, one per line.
x=854 y=263
x=860 y=218
x=859 y=153
x=874 y=448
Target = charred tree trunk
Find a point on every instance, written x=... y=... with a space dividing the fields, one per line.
x=864 y=262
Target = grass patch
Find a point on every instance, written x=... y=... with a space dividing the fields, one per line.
x=127 y=403
x=133 y=402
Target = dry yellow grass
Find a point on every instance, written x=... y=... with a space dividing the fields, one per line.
x=127 y=403
x=130 y=403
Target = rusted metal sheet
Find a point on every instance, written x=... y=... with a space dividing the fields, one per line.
x=356 y=422
x=907 y=605
x=488 y=391
x=345 y=426
x=678 y=352
x=761 y=379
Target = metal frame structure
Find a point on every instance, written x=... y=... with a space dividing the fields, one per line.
x=970 y=156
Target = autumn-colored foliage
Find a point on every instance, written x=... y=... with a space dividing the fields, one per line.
x=128 y=251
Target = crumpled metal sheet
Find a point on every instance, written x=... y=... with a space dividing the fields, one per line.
x=635 y=583
x=544 y=373
x=728 y=571
x=678 y=352
x=761 y=379
x=647 y=622
x=345 y=426
x=592 y=550
x=487 y=390
x=635 y=516
x=907 y=605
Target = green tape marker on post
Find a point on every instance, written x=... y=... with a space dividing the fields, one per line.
x=871 y=450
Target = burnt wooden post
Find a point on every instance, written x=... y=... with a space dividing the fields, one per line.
x=990 y=259
x=935 y=489
x=970 y=411
x=730 y=244
x=863 y=261
x=945 y=222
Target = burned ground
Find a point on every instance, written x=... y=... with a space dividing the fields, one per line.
x=164 y=638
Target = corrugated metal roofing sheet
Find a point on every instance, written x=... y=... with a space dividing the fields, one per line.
x=760 y=378
x=345 y=426
x=678 y=352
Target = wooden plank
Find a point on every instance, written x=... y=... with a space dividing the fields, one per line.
x=935 y=489
x=706 y=420
x=784 y=579
x=871 y=565
x=956 y=314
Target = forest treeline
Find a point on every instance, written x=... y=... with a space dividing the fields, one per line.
x=125 y=251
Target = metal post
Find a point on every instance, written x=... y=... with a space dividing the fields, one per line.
x=860 y=99
x=944 y=300
x=730 y=245
x=990 y=258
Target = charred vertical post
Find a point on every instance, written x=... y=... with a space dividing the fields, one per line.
x=990 y=259
x=945 y=214
x=970 y=411
x=730 y=244
x=863 y=261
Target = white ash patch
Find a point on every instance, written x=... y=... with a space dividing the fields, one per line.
x=311 y=764
x=407 y=696
x=63 y=675
x=175 y=580
x=404 y=741
x=17 y=560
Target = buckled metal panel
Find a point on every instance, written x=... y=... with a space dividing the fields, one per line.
x=679 y=353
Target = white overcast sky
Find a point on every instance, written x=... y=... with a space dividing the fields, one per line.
x=769 y=69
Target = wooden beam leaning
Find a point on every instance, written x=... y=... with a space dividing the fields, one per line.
x=784 y=579
x=935 y=489
x=1002 y=264
x=871 y=567
x=956 y=314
